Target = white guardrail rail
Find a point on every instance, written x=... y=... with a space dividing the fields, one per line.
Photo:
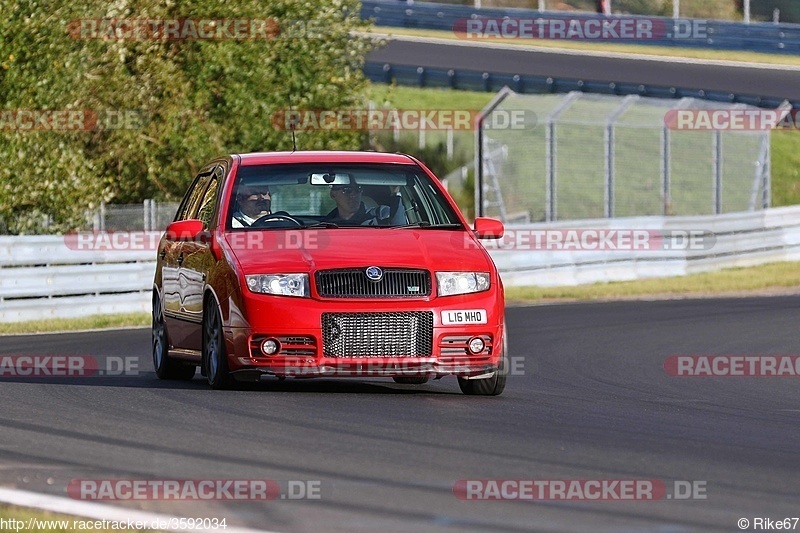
x=44 y=277
x=731 y=240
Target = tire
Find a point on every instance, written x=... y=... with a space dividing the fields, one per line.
x=215 y=359
x=411 y=380
x=492 y=386
x=165 y=367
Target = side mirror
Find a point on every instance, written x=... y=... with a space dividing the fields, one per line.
x=488 y=228
x=185 y=230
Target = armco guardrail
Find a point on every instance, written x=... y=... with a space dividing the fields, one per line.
x=42 y=277
x=489 y=81
x=45 y=277
x=733 y=240
x=718 y=34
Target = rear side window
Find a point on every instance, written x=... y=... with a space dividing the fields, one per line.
x=208 y=203
x=192 y=199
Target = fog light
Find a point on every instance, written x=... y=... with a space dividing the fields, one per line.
x=270 y=347
x=476 y=345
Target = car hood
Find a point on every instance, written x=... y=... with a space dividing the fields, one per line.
x=307 y=250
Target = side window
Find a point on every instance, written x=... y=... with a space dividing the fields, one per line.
x=192 y=198
x=209 y=202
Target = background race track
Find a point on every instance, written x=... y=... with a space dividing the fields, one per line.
x=776 y=81
x=594 y=403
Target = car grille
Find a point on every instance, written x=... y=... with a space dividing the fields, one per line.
x=402 y=334
x=353 y=283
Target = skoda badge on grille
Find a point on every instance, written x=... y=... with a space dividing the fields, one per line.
x=374 y=273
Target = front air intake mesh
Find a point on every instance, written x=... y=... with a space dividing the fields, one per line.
x=401 y=334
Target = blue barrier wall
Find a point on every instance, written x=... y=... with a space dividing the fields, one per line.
x=719 y=35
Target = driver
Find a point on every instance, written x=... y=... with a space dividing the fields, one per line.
x=252 y=202
x=350 y=210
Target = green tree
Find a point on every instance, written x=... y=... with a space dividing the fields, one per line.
x=184 y=100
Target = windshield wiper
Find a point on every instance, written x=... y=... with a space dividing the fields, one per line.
x=322 y=224
x=428 y=225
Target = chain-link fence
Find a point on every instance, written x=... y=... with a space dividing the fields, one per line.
x=147 y=216
x=604 y=156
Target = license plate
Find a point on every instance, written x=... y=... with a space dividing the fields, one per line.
x=466 y=316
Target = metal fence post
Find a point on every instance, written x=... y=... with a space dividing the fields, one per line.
x=371 y=134
x=610 y=152
x=665 y=171
x=551 y=145
x=609 y=157
x=479 y=152
x=766 y=199
x=759 y=177
x=146 y=215
x=717 y=147
x=550 y=171
x=450 y=143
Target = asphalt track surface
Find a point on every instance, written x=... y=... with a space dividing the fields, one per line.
x=774 y=82
x=593 y=402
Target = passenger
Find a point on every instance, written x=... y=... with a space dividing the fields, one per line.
x=350 y=210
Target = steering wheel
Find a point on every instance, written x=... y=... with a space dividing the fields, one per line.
x=276 y=216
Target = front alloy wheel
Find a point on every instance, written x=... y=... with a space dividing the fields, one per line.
x=215 y=360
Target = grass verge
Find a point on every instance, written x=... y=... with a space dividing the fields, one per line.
x=773 y=278
x=665 y=51
x=403 y=97
x=75 y=324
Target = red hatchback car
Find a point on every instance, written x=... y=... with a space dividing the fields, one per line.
x=327 y=264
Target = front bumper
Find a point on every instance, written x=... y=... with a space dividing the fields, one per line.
x=368 y=367
x=298 y=328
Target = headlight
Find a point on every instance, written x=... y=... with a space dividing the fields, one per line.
x=462 y=282
x=281 y=284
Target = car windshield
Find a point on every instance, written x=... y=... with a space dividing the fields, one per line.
x=337 y=195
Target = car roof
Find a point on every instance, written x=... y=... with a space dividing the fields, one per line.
x=324 y=156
